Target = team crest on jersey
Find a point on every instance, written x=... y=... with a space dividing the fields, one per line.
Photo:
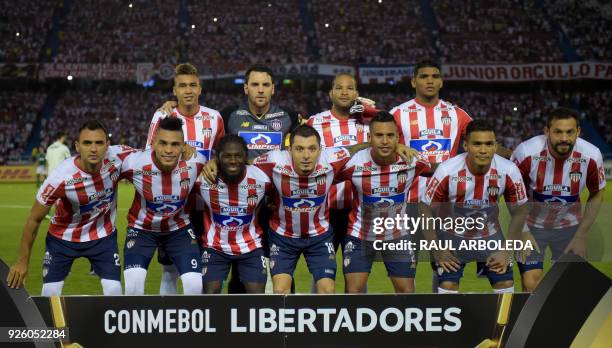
x=493 y=190
x=207 y=132
x=185 y=183
x=321 y=180
x=402 y=178
x=252 y=200
x=277 y=125
x=575 y=176
x=446 y=120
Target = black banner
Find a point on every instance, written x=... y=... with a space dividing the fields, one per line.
x=284 y=321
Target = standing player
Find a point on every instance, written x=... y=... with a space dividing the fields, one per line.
x=556 y=167
x=157 y=216
x=202 y=128
x=431 y=125
x=57 y=152
x=84 y=188
x=470 y=185
x=380 y=181
x=337 y=128
x=232 y=230
x=38 y=155
x=262 y=124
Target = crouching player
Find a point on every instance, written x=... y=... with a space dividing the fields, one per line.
x=157 y=217
x=470 y=185
x=84 y=188
x=557 y=166
x=232 y=232
x=380 y=182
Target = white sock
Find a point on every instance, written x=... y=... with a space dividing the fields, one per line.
x=269 y=285
x=111 y=287
x=504 y=290
x=52 y=289
x=444 y=291
x=169 y=276
x=192 y=283
x=134 y=281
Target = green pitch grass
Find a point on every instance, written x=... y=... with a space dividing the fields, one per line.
x=16 y=200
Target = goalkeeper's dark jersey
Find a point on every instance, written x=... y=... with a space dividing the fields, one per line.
x=261 y=134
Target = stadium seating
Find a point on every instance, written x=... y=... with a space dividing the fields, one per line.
x=18 y=113
x=23 y=27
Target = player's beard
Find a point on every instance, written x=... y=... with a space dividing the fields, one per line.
x=570 y=146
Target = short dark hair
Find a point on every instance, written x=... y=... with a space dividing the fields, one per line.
x=258 y=68
x=342 y=74
x=383 y=117
x=171 y=124
x=305 y=131
x=60 y=134
x=478 y=126
x=561 y=113
x=231 y=139
x=93 y=125
x=427 y=63
x=186 y=69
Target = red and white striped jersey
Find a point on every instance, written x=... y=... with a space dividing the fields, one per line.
x=302 y=209
x=86 y=203
x=469 y=195
x=230 y=218
x=378 y=192
x=201 y=130
x=435 y=131
x=336 y=132
x=160 y=197
x=555 y=184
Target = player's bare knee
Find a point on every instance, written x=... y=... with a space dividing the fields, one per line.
x=452 y=286
x=503 y=284
x=212 y=287
x=326 y=286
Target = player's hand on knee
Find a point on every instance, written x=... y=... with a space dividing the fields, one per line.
x=209 y=171
x=17 y=275
x=167 y=107
x=498 y=262
x=447 y=260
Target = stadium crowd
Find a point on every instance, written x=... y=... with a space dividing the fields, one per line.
x=510 y=31
x=24 y=26
x=236 y=37
x=586 y=24
x=18 y=113
x=141 y=31
x=363 y=34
